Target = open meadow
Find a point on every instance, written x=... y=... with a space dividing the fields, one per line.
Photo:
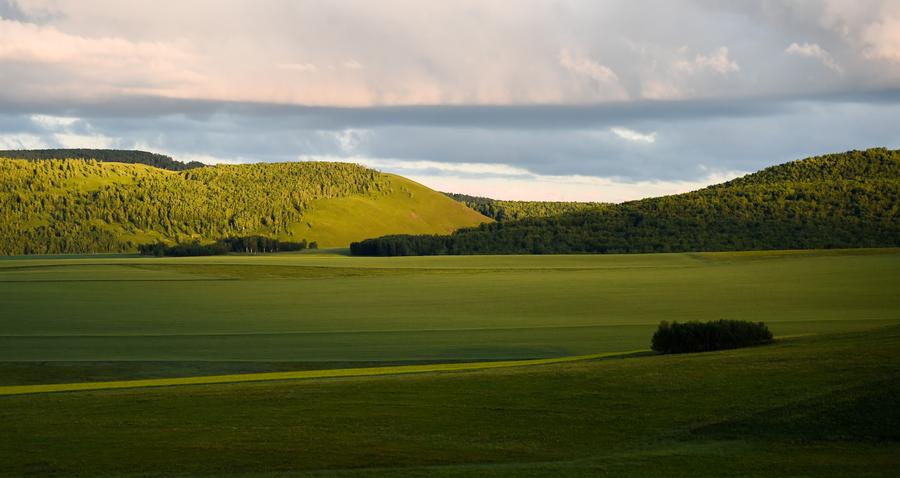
x=326 y=308
x=819 y=402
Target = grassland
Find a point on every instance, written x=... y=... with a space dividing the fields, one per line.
x=809 y=405
x=287 y=311
x=812 y=406
x=336 y=222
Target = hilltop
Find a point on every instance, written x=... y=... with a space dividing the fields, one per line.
x=844 y=200
x=82 y=206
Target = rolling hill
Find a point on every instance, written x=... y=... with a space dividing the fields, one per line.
x=87 y=206
x=844 y=200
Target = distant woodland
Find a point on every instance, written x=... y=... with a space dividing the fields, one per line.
x=841 y=200
x=75 y=206
x=501 y=211
x=105 y=156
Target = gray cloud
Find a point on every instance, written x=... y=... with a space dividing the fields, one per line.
x=694 y=88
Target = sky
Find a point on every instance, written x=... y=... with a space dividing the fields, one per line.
x=584 y=100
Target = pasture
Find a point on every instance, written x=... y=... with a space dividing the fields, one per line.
x=821 y=401
x=329 y=308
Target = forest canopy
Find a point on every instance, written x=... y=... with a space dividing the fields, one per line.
x=104 y=155
x=501 y=210
x=840 y=200
x=77 y=206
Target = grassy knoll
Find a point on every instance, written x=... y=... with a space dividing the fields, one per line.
x=332 y=308
x=813 y=406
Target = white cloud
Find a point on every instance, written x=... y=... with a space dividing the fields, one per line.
x=71 y=140
x=718 y=62
x=564 y=188
x=882 y=39
x=304 y=67
x=587 y=67
x=402 y=165
x=504 y=181
x=96 y=64
x=655 y=89
x=632 y=135
x=22 y=141
x=813 y=50
x=349 y=140
x=352 y=64
x=52 y=122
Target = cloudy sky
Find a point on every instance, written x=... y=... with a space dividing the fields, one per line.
x=518 y=99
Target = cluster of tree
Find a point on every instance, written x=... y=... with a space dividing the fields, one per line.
x=500 y=210
x=837 y=201
x=75 y=206
x=103 y=155
x=248 y=244
x=694 y=336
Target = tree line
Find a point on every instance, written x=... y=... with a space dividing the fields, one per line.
x=104 y=155
x=78 y=206
x=247 y=245
x=842 y=200
x=501 y=210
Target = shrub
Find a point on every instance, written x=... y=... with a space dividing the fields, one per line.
x=705 y=336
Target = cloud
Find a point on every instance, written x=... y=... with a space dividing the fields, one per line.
x=304 y=67
x=406 y=166
x=813 y=50
x=587 y=67
x=604 y=78
x=22 y=141
x=53 y=122
x=504 y=181
x=882 y=39
x=84 y=66
x=718 y=62
x=634 y=136
x=349 y=140
x=352 y=64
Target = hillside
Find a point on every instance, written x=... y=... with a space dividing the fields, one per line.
x=77 y=206
x=501 y=210
x=103 y=155
x=849 y=199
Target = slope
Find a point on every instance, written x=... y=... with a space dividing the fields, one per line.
x=409 y=207
x=842 y=200
x=78 y=206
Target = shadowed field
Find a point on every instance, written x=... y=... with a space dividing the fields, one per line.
x=810 y=406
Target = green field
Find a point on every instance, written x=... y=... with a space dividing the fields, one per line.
x=822 y=406
x=325 y=310
x=821 y=401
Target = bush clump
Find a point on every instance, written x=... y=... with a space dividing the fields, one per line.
x=705 y=336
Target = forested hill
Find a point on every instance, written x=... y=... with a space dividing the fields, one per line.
x=77 y=206
x=501 y=210
x=849 y=199
x=104 y=155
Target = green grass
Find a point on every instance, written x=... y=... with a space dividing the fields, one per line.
x=812 y=406
x=299 y=375
x=333 y=308
x=410 y=209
